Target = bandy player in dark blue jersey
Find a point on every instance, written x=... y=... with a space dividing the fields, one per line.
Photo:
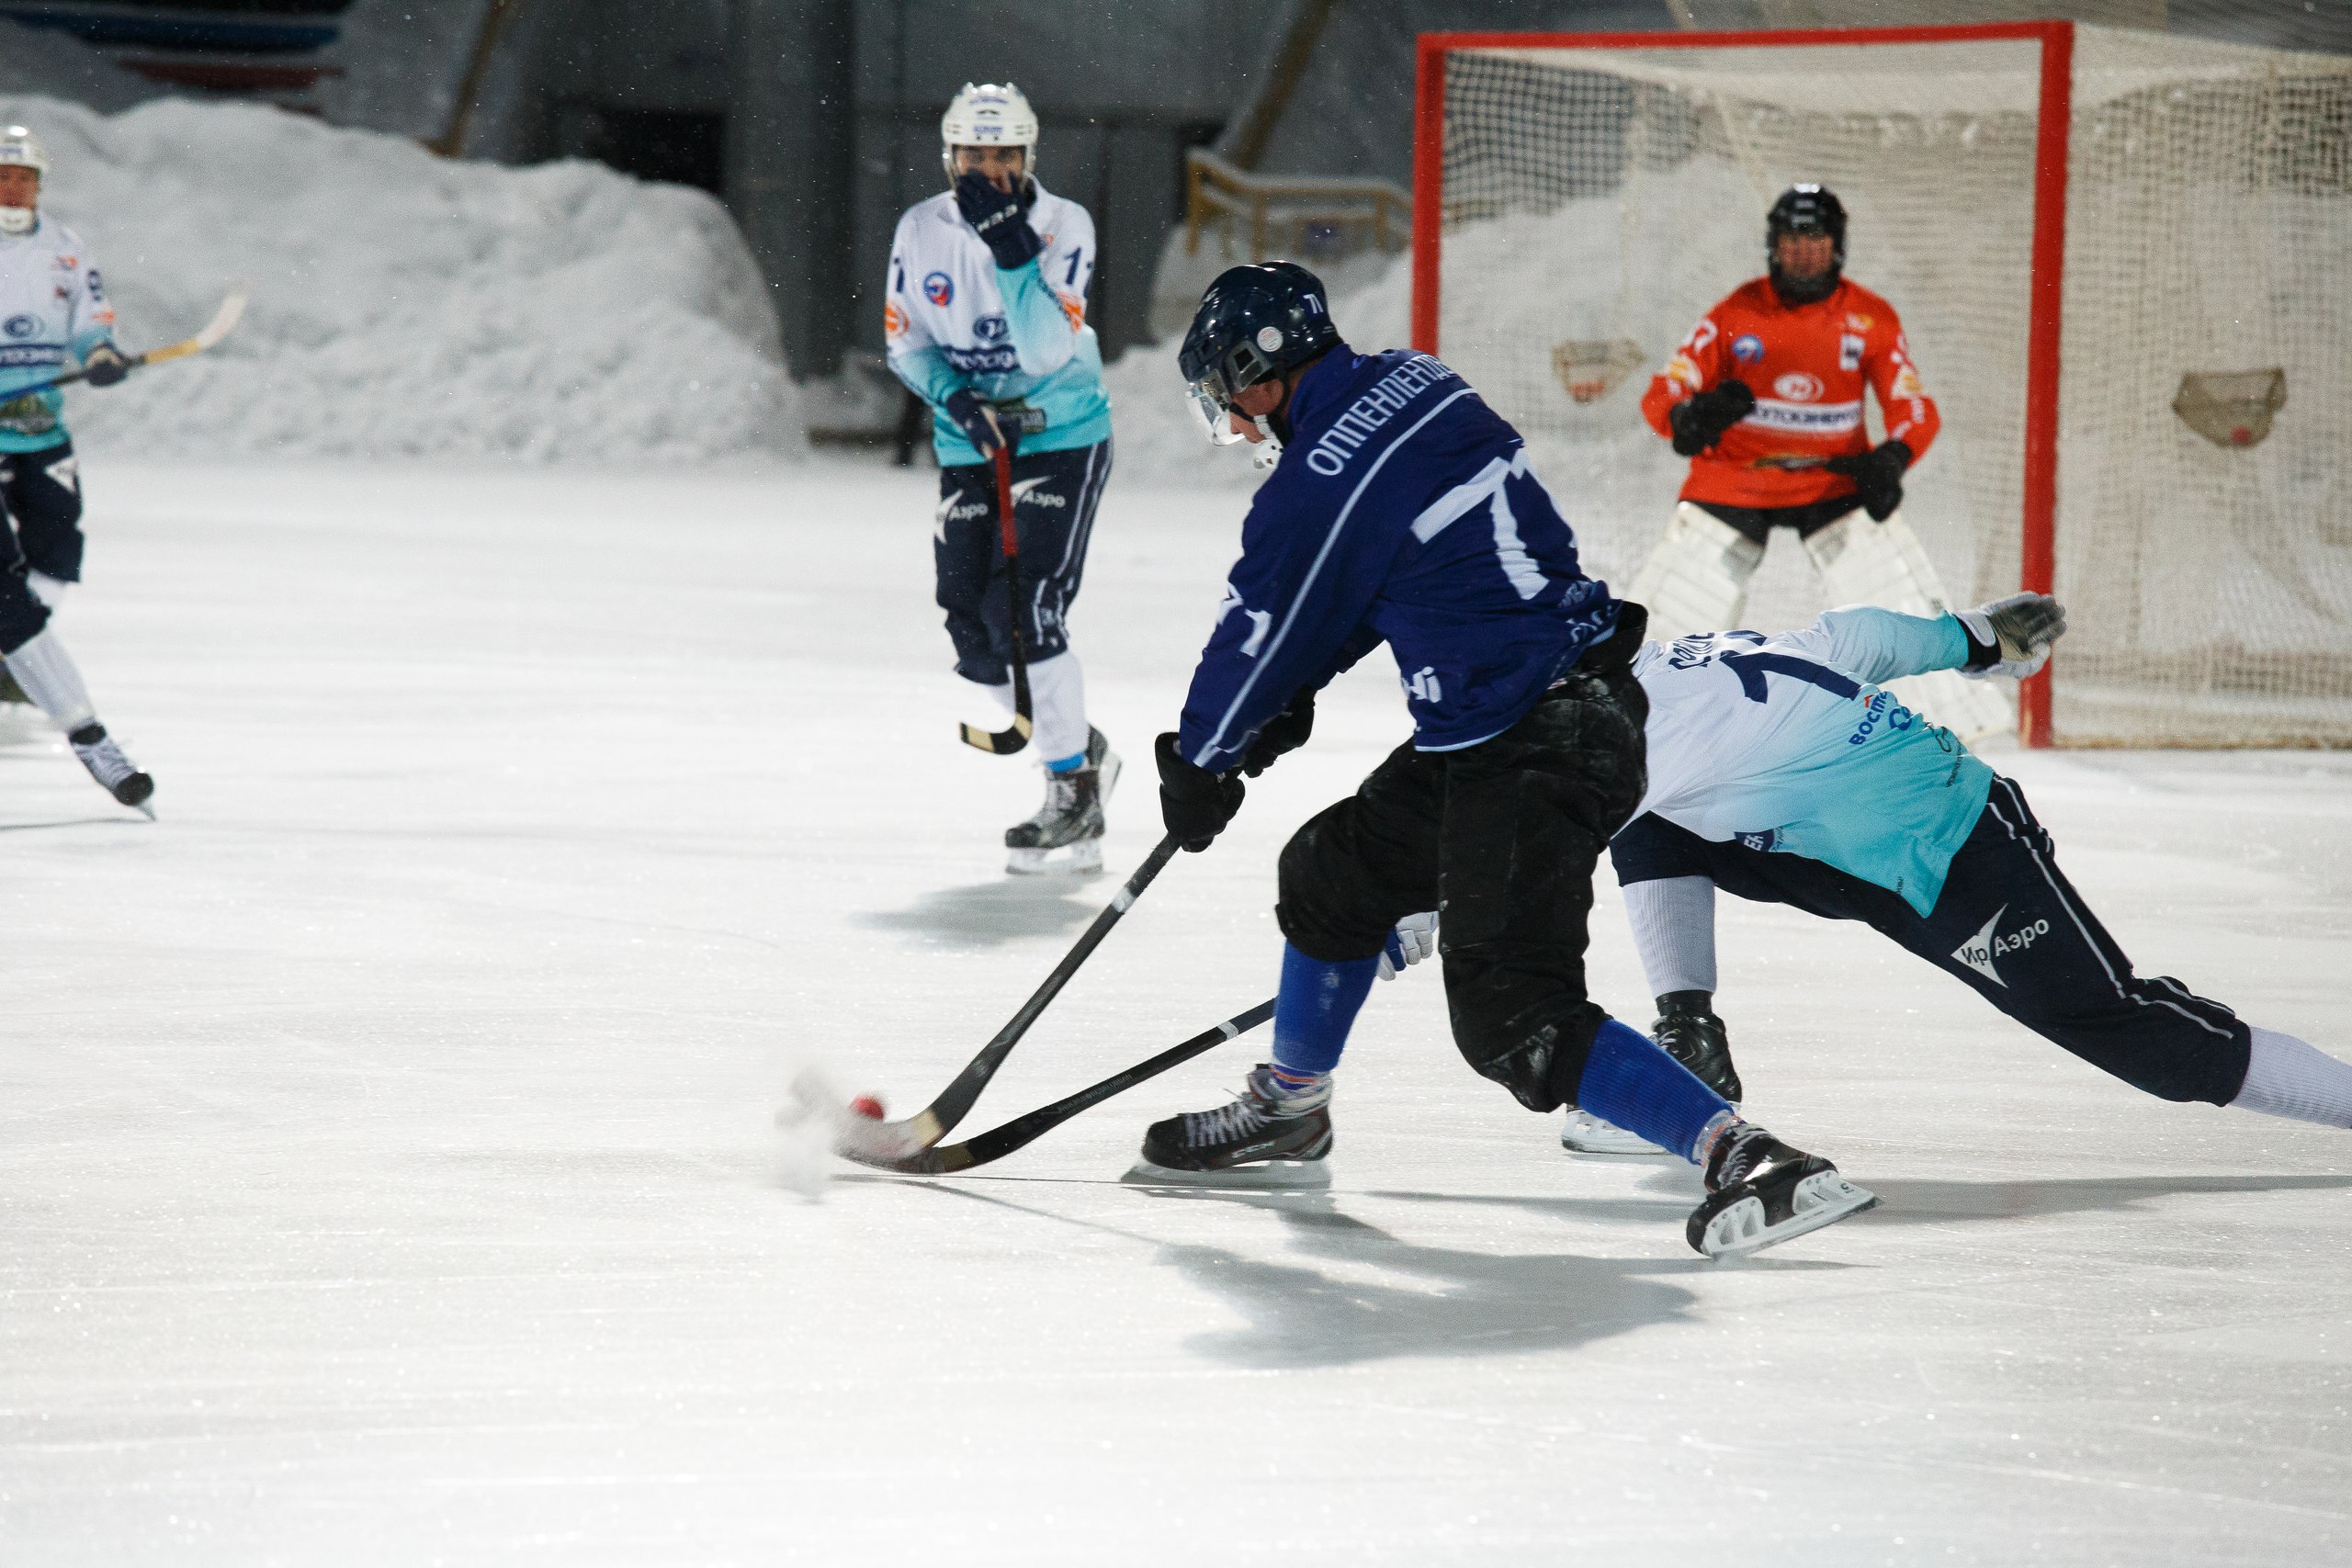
x=1403 y=510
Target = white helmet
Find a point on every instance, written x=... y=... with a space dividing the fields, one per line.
x=988 y=116
x=22 y=148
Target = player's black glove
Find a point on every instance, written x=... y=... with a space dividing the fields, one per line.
x=1286 y=731
x=1700 y=421
x=2012 y=636
x=1001 y=218
x=1195 y=802
x=104 y=366
x=979 y=425
x=1877 y=475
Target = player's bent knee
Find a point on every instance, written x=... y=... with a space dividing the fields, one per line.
x=1333 y=906
x=1537 y=1052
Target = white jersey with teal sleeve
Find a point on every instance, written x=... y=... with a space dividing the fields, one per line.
x=53 y=307
x=1783 y=743
x=954 y=320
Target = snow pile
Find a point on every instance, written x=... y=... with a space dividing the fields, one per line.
x=406 y=305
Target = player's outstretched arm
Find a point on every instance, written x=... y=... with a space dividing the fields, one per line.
x=2012 y=636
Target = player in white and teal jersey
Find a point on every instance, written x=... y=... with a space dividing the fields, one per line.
x=985 y=320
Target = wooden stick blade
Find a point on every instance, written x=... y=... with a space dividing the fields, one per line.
x=1002 y=742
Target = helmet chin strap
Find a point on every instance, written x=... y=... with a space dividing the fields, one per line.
x=18 y=219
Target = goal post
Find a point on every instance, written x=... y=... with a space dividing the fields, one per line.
x=2123 y=262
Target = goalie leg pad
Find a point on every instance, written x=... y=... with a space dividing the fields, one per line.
x=1863 y=563
x=1696 y=579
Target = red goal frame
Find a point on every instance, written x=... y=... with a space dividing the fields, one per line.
x=2046 y=300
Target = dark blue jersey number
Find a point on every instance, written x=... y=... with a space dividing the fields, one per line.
x=1751 y=668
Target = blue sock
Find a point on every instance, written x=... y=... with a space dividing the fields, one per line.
x=1069 y=764
x=1313 y=1011
x=1629 y=1079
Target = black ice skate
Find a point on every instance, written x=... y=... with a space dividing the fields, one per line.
x=1762 y=1192
x=1066 y=835
x=1690 y=1034
x=111 y=768
x=1270 y=1136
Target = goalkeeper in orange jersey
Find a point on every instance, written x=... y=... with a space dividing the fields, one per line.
x=1765 y=397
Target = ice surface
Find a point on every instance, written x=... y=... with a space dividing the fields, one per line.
x=405 y=304
x=389 y=1177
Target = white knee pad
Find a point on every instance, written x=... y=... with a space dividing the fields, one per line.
x=1696 y=579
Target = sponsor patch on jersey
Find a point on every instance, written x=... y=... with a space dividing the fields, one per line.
x=1860 y=322
x=1683 y=372
x=17 y=356
x=1747 y=348
x=1850 y=352
x=1075 y=310
x=1798 y=387
x=991 y=329
x=1763 y=840
x=97 y=291
x=939 y=288
x=1906 y=384
x=1818 y=419
x=894 y=320
x=999 y=361
x=22 y=326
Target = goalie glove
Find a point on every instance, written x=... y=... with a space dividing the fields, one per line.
x=1877 y=475
x=1700 y=421
x=1414 y=939
x=2011 y=636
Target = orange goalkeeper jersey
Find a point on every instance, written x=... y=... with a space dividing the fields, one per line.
x=1807 y=366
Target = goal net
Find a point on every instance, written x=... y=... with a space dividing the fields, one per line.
x=2147 y=406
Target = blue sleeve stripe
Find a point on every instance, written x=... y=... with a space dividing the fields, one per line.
x=1298 y=599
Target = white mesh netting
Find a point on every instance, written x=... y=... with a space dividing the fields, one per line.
x=1597 y=198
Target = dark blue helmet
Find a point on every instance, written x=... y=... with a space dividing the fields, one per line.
x=1255 y=323
x=1805 y=209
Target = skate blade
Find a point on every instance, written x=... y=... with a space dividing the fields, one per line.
x=1821 y=1199
x=1257 y=1175
x=1083 y=858
x=1589 y=1135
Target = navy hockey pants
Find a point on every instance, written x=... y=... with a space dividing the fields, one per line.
x=2008 y=924
x=1503 y=838
x=40 y=495
x=1053 y=498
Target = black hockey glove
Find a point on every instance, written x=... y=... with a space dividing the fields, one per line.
x=1877 y=475
x=2011 y=636
x=979 y=425
x=104 y=366
x=1285 y=732
x=1195 y=802
x=1700 y=421
x=1001 y=218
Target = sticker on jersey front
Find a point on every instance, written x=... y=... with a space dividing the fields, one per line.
x=1797 y=386
x=992 y=328
x=939 y=288
x=1906 y=384
x=22 y=326
x=1747 y=348
x=894 y=320
x=1763 y=840
x=1850 y=352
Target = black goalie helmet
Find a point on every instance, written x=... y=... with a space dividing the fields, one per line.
x=1254 y=323
x=1805 y=209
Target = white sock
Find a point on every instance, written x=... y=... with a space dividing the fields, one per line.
x=2286 y=1077
x=46 y=671
x=50 y=590
x=1057 y=703
x=1674 y=927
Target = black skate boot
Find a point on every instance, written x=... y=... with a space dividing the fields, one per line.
x=1270 y=1136
x=1689 y=1031
x=111 y=768
x=1692 y=1034
x=1761 y=1192
x=1066 y=835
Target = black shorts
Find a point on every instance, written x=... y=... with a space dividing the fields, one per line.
x=2009 y=925
x=1502 y=837
x=41 y=493
x=1053 y=498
